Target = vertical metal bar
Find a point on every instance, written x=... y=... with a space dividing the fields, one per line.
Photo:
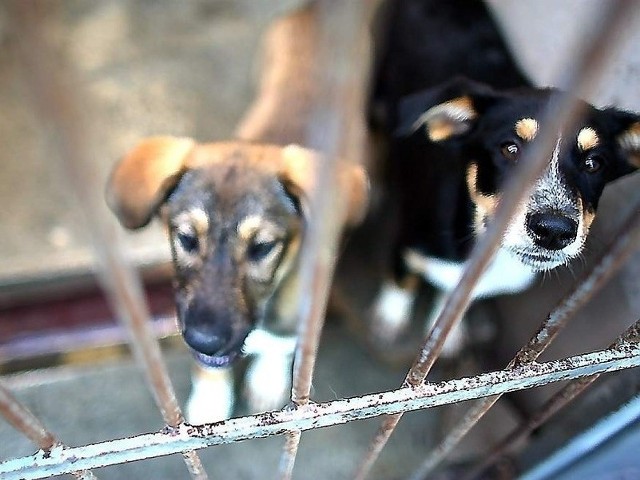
x=558 y=401
x=336 y=131
x=27 y=423
x=72 y=139
x=617 y=252
x=560 y=116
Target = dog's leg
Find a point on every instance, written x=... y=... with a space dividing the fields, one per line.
x=457 y=338
x=267 y=384
x=212 y=396
x=393 y=308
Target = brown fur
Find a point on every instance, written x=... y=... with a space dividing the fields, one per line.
x=288 y=82
x=144 y=177
x=270 y=146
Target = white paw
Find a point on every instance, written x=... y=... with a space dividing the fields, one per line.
x=391 y=312
x=268 y=382
x=212 y=397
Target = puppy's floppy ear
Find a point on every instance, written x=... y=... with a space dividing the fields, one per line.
x=141 y=181
x=298 y=169
x=629 y=142
x=446 y=111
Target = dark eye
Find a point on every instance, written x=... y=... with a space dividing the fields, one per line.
x=260 y=250
x=592 y=163
x=510 y=151
x=188 y=242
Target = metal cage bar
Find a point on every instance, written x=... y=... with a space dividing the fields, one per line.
x=124 y=290
x=552 y=406
x=27 y=423
x=560 y=116
x=311 y=416
x=336 y=130
x=587 y=442
x=625 y=243
x=71 y=139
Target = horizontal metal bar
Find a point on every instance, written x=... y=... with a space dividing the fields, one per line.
x=187 y=437
x=552 y=406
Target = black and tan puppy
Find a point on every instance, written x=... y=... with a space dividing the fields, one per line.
x=455 y=143
x=235 y=213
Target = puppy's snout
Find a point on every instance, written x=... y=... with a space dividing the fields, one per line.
x=206 y=341
x=552 y=230
x=206 y=334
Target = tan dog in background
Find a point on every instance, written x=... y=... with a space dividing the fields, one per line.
x=235 y=213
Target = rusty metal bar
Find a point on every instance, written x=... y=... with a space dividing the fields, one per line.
x=552 y=406
x=59 y=105
x=586 y=442
x=336 y=131
x=24 y=421
x=561 y=114
x=27 y=423
x=312 y=416
x=626 y=242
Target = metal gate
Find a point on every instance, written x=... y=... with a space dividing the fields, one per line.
x=72 y=141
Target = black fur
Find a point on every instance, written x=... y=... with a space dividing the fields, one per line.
x=430 y=42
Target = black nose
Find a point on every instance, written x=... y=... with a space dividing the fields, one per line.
x=205 y=341
x=552 y=231
x=206 y=334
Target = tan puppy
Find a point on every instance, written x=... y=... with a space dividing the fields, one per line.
x=235 y=212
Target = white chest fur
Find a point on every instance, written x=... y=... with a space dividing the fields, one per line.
x=505 y=274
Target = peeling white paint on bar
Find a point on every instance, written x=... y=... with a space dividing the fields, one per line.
x=188 y=437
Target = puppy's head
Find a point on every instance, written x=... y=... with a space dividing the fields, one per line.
x=490 y=130
x=235 y=216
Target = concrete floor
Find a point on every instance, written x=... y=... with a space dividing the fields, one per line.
x=185 y=68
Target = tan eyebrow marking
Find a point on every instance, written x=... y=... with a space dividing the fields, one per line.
x=194 y=219
x=527 y=129
x=587 y=139
x=200 y=221
x=248 y=226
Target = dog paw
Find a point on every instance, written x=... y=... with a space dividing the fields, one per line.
x=268 y=383
x=212 y=397
x=391 y=313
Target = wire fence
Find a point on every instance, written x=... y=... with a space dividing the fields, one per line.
x=334 y=132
